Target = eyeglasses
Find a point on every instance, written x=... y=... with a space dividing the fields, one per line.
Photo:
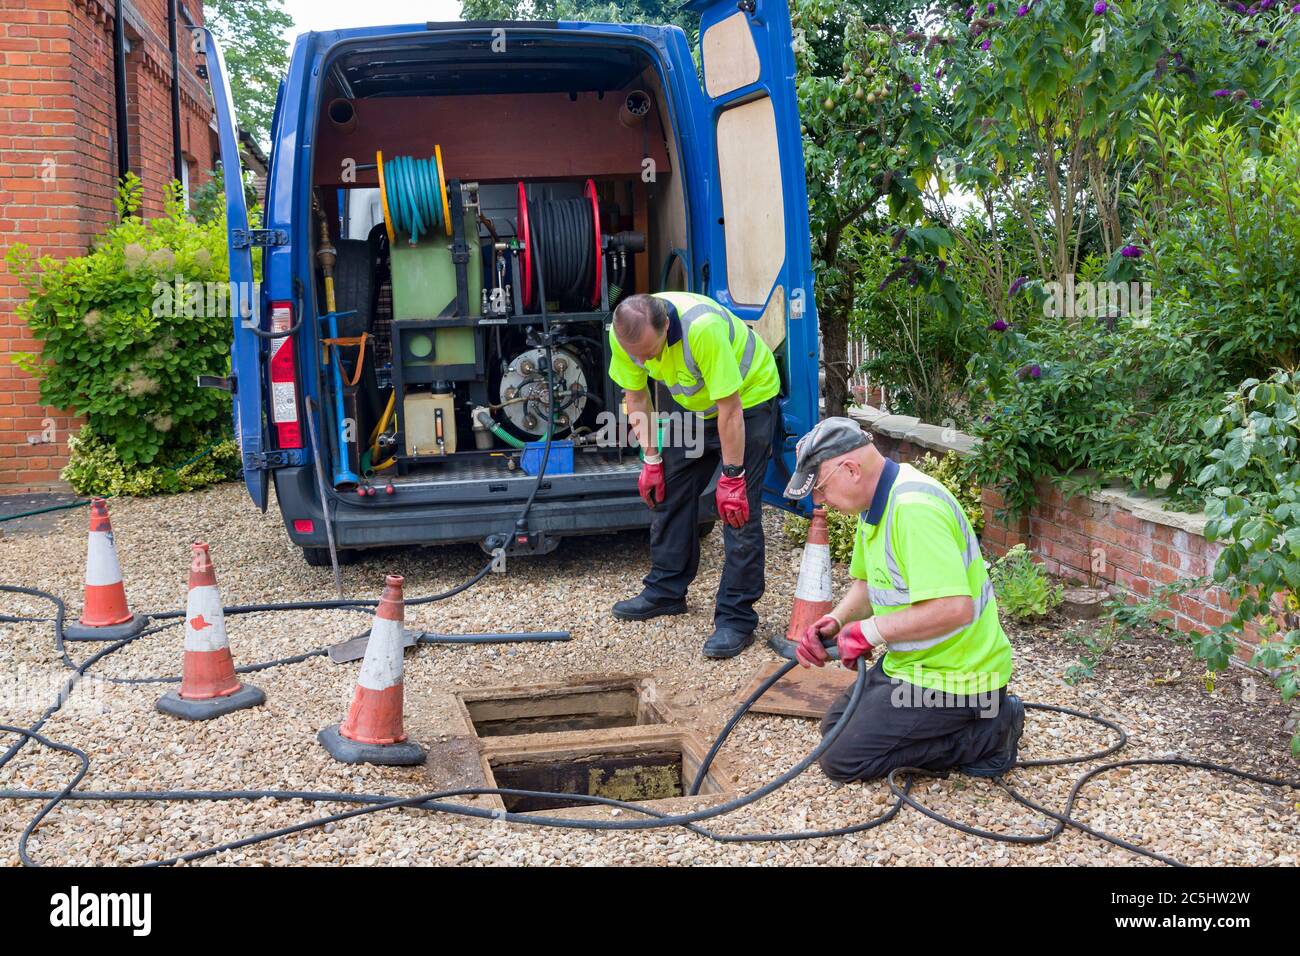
x=822 y=484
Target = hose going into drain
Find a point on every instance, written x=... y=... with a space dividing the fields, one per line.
x=437 y=801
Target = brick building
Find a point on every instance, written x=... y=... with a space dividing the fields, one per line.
x=58 y=167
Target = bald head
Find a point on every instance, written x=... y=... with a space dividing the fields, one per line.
x=641 y=326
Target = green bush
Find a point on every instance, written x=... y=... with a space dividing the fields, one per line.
x=1022 y=587
x=840 y=530
x=1254 y=509
x=1083 y=400
x=94 y=468
x=119 y=345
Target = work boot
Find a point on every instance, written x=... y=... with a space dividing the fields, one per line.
x=643 y=608
x=1004 y=758
x=724 y=642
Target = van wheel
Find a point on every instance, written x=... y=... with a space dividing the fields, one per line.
x=320 y=557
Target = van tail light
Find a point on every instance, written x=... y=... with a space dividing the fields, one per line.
x=284 y=379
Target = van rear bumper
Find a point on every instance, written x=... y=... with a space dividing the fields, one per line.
x=376 y=523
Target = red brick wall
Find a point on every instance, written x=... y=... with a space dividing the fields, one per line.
x=58 y=171
x=1104 y=544
x=1130 y=554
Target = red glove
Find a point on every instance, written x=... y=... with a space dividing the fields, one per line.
x=856 y=641
x=651 y=484
x=733 y=501
x=810 y=651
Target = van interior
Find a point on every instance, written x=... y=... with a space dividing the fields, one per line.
x=457 y=191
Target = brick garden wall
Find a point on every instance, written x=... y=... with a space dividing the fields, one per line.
x=58 y=170
x=1126 y=543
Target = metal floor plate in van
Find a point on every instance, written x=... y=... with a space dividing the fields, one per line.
x=494 y=469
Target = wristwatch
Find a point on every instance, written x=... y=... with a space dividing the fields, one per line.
x=733 y=471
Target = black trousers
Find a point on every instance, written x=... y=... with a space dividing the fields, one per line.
x=674 y=530
x=894 y=726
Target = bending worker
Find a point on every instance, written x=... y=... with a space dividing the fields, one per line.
x=718 y=370
x=936 y=698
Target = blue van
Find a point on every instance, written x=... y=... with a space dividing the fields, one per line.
x=452 y=212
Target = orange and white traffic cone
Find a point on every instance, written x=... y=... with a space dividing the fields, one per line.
x=209 y=687
x=105 y=615
x=372 y=731
x=813 y=595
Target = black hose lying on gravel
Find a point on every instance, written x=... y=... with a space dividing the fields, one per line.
x=436 y=802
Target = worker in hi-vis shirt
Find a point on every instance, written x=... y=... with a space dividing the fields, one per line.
x=937 y=698
x=718 y=369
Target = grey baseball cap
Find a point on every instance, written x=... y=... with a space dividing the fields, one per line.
x=829 y=438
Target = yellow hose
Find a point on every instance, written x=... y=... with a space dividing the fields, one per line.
x=382 y=427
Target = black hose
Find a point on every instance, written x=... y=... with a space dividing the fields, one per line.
x=563 y=229
x=436 y=801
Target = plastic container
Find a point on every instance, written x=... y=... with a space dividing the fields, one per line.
x=560 y=461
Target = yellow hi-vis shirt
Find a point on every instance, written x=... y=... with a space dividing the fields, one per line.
x=710 y=354
x=915 y=544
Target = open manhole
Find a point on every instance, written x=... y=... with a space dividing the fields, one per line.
x=557 y=708
x=635 y=766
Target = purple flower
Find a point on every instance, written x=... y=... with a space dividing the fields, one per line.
x=999 y=326
x=992 y=8
x=938 y=73
x=1266 y=4
x=1021 y=10
x=1261 y=43
x=1222 y=93
x=1099 y=7
x=1028 y=371
x=1131 y=252
x=916 y=87
x=1255 y=104
x=970 y=12
x=986 y=44
x=1253 y=9
x=1296 y=8
x=1016 y=286
x=1239 y=7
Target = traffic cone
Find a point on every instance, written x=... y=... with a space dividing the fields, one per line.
x=372 y=731
x=209 y=687
x=105 y=615
x=813 y=596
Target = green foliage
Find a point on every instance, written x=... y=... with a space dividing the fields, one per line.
x=251 y=35
x=119 y=346
x=1022 y=587
x=1254 y=508
x=840 y=530
x=95 y=468
x=1119 y=393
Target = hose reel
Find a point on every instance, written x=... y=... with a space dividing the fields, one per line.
x=413 y=194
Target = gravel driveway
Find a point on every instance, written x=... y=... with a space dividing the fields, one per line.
x=1195 y=816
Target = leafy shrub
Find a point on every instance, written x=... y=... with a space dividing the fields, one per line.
x=1254 y=509
x=119 y=345
x=840 y=529
x=94 y=468
x=1022 y=587
x=1122 y=395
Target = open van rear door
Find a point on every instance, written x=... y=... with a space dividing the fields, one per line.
x=245 y=305
x=757 y=245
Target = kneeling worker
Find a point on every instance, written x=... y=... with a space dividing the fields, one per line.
x=718 y=369
x=937 y=697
